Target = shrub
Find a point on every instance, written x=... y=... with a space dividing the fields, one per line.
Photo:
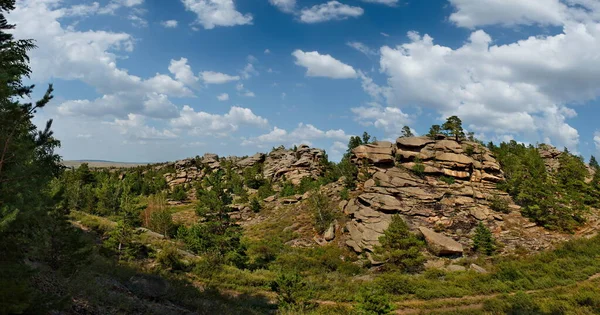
x=345 y=193
x=447 y=179
x=400 y=249
x=418 y=168
x=499 y=204
x=261 y=253
x=469 y=150
x=483 y=241
x=372 y=301
x=169 y=258
x=291 y=290
x=322 y=211
x=266 y=190
x=255 y=205
x=178 y=193
x=162 y=222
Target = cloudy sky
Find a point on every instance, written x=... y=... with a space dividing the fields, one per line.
x=156 y=80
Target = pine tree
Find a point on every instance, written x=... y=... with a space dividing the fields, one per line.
x=434 y=131
x=406 y=132
x=593 y=163
x=399 y=248
x=453 y=127
x=483 y=241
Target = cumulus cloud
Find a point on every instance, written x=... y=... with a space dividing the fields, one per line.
x=303 y=134
x=389 y=119
x=91 y=57
x=211 y=77
x=169 y=23
x=522 y=87
x=244 y=91
x=135 y=128
x=223 y=97
x=332 y=10
x=287 y=6
x=212 y=13
x=183 y=72
x=474 y=13
x=221 y=125
x=318 y=65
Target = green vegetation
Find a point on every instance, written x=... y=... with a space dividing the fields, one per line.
x=406 y=132
x=434 y=131
x=322 y=211
x=483 y=241
x=447 y=179
x=453 y=127
x=556 y=200
x=499 y=204
x=418 y=167
x=400 y=249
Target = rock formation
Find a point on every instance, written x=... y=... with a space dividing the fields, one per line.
x=452 y=207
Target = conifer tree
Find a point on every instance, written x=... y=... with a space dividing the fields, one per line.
x=453 y=127
x=399 y=248
x=483 y=241
x=406 y=132
x=434 y=131
x=593 y=163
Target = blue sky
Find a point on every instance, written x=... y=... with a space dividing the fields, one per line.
x=154 y=80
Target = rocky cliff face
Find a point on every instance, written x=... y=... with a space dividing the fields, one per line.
x=450 y=192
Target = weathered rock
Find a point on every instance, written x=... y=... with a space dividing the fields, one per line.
x=381 y=152
x=413 y=141
x=477 y=268
x=439 y=244
x=252 y=160
x=329 y=233
x=381 y=202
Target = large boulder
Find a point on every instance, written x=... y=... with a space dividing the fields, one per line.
x=252 y=160
x=413 y=141
x=439 y=244
x=381 y=152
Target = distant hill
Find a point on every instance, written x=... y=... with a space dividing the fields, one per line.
x=100 y=163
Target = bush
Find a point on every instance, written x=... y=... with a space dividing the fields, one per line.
x=469 y=150
x=291 y=290
x=322 y=211
x=255 y=205
x=372 y=301
x=499 y=204
x=345 y=194
x=266 y=190
x=483 y=241
x=263 y=252
x=447 y=179
x=400 y=249
x=169 y=258
x=178 y=193
x=418 y=168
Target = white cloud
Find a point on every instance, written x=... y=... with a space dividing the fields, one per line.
x=473 y=13
x=389 y=119
x=318 y=65
x=244 y=91
x=211 y=77
x=303 y=134
x=183 y=72
x=249 y=70
x=221 y=125
x=137 y=21
x=82 y=9
x=135 y=128
x=597 y=139
x=287 y=6
x=391 y=3
x=169 y=23
x=517 y=88
x=211 y=13
x=332 y=10
x=223 y=97
x=114 y=5
x=91 y=57
x=362 y=48
x=267 y=51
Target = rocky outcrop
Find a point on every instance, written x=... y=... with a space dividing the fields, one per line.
x=381 y=152
x=293 y=164
x=455 y=205
x=281 y=163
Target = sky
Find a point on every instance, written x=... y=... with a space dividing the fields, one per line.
x=157 y=80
